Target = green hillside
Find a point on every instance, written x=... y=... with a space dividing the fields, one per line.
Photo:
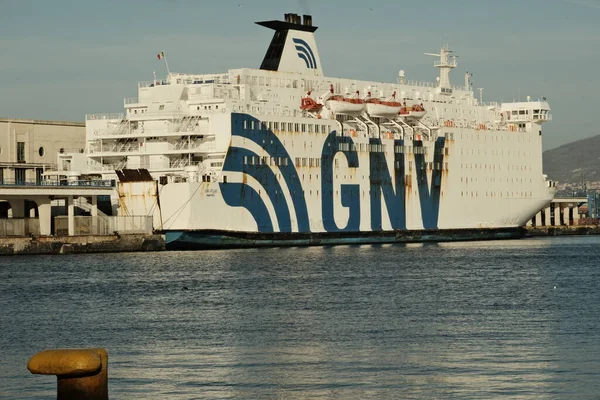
x=574 y=162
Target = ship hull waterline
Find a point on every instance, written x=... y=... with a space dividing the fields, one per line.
x=217 y=239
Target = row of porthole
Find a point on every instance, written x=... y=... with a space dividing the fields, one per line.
x=41 y=151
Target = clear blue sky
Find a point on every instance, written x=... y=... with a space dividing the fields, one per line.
x=62 y=59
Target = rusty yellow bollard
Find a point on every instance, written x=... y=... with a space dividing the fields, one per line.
x=80 y=373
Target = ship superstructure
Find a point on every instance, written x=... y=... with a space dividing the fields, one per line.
x=285 y=155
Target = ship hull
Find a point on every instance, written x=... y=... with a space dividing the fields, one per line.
x=353 y=190
x=220 y=239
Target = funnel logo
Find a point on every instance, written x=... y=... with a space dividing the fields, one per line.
x=305 y=53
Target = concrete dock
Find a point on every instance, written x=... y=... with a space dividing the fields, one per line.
x=81 y=244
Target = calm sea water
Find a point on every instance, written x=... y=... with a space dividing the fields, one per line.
x=505 y=319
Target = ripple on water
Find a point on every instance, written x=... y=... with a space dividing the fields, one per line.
x=452 y=320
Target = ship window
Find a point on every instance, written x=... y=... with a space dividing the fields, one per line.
x=296 y=127
x=303 y=127
x=521 y=112
x=161 y=107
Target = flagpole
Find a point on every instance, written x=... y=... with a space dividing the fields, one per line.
x=161 y=56
x=167 y=64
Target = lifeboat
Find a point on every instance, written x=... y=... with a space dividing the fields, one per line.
x=309 y=104
x=345 y=105
x=383 y=108
x=415 y=111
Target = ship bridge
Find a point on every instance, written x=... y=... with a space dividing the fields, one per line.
x=527 y=111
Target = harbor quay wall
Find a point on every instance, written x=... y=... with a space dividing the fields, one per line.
x=562 y=230
x=81 y=244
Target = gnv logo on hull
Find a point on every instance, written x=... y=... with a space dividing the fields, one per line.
x=387 y=187
x=306 y=53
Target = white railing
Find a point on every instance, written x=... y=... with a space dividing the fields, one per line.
x=152 y=83
x=451 y=63
x=433 y=85
x=490 y=104
x=177 y=78
x=104 y=116
x=82 y=203
x=111 y=167
x=134 y=147
x=199 y=79
x=172 y=165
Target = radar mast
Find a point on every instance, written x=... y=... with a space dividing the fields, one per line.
x=446 y=64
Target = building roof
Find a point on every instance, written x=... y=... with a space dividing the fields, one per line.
x=42 y=122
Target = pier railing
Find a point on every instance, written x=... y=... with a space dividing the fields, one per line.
x=104 y=225
x=19 y=227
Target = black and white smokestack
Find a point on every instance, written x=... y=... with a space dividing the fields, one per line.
x=307 y=20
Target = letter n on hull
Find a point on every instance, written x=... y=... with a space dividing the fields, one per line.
x=381 y=187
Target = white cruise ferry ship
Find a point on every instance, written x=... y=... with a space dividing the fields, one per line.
x=284 y=155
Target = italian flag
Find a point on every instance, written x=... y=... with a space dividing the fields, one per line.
x=161 y=55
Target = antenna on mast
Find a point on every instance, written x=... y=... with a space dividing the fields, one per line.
x=481 y=95
x=468 y=77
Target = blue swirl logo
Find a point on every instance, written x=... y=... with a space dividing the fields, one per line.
x=305 y=53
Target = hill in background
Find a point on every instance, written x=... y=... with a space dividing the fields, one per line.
x=573 y=163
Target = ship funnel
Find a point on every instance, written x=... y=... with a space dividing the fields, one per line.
x=293 y=47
